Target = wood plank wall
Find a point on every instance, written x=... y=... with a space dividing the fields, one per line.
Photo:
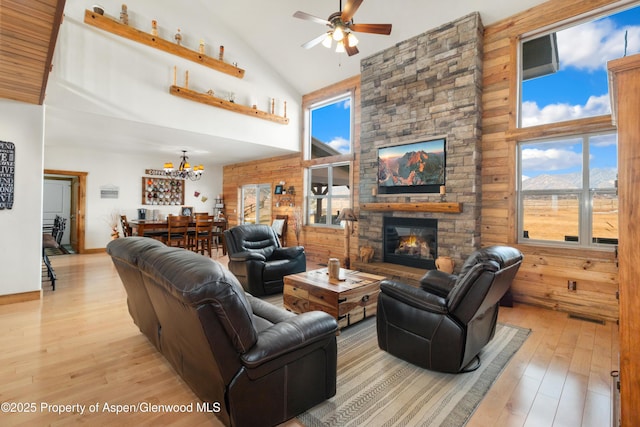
x=321 y=243
x=543 y=277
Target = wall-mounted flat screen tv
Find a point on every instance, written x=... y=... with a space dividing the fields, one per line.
x=417 y=167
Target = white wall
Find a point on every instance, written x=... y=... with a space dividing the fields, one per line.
x=97 y=72
x=21 y=226
x=125 y=172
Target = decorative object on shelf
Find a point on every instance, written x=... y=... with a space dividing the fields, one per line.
x=201 y=47
x=124 y=15
x=186 y=211
x=213 y=101
x=273 y=105
x=348 y=216
x=113 y=26
x=186 y=79
x=285 y=109
x=184 y=170
x=178 y=37
x=341 y=26
x=279 y=189
x=210 y=92
x=221 y=53
x=98 y=9
x=162 y=192
x=445 y=263
x=232 y=97
x=154 y=27
x=443 y=193
x=175 y=75
x=291 y=190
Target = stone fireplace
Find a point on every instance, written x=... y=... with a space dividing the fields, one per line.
x=410 y=241
x=426 y=87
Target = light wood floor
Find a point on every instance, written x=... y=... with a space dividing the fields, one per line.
x=79 y=346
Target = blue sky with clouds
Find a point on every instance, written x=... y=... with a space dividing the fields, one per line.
x=580 y=88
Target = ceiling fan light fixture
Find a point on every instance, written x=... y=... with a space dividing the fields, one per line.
x=352 y=40
x=340 y=47
x=338 y=33
x=327 y=41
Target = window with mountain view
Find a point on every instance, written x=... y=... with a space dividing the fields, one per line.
x=328 y=180
x=567 y=190
x=564 y=72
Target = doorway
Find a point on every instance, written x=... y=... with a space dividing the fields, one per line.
x=76 y=182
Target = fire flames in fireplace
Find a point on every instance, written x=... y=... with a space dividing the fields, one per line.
x=410 y=241
x=413 y=246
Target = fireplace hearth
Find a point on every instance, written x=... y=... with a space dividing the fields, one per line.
x=412 y=242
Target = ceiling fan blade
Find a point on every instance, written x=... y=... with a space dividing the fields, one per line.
x=307 y=17
x=351 y=50
x=350 y=9
x=372 y=28
x=317 y=40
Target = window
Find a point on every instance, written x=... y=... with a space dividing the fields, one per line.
x=328 y=178
x=329 y=193
x=330 y=128
x=256 y=204
x=563 y=73
x=567 y=190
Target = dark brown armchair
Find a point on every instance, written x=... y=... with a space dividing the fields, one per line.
x=258 y=261
x=443 y=324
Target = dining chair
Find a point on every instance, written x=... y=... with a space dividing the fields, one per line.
x=126 y=228
x=202 y=235
x=177 y=231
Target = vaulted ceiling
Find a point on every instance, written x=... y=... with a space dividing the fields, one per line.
x=28 y=31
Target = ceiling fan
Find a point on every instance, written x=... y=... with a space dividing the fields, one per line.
x=342 y=27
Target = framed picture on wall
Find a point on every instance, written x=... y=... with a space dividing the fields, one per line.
x=278 y=189
x=186 y=211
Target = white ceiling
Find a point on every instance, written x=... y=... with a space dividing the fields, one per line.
x=274 y=34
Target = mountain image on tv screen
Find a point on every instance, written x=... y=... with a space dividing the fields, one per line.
x=421 y=163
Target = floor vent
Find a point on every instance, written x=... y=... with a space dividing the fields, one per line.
x=587 y=319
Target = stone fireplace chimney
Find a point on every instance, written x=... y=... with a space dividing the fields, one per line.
x=423 y=88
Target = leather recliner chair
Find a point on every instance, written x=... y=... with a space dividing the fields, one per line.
x=258 y=261
x=256 y=364
x=443 y=324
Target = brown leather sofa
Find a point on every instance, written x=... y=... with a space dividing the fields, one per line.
x=261 y=364
x=257 y=259
x=443 y=324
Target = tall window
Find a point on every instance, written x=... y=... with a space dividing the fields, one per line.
x=256 y=204
x=328 y=179
x=563 y=73
x=567 y=190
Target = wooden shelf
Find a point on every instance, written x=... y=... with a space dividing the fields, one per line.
x=443 y=207
x=205 y=98
x=112 y=26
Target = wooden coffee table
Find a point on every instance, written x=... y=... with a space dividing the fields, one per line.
x=348 y=301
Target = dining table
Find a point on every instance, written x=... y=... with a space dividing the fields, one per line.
x=140 y=226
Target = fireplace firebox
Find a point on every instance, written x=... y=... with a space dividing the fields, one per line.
x=411 y=241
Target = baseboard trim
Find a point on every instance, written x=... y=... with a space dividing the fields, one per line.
x=95 y=251
x=21 y=297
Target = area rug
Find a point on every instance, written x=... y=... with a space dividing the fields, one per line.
x=377 y=389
